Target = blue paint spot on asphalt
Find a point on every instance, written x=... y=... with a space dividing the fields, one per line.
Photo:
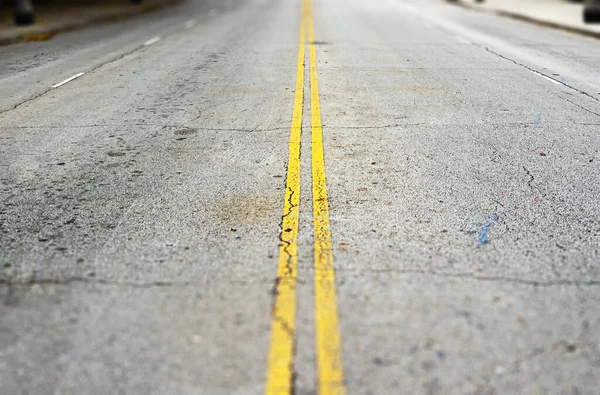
x=562 y=79
x=539 y=119
x=485 y=229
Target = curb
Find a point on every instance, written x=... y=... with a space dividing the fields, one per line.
x=43 y=34
x=526 y=18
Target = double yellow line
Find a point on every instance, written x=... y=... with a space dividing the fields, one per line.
x=280 y=369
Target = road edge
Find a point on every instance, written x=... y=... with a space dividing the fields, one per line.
x=529 y=19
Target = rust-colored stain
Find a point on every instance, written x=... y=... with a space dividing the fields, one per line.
x=37 y=37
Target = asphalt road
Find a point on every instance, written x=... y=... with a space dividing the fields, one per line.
x=154 y=238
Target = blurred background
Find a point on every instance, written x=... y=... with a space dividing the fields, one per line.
x=27 y=20
x=38 y=20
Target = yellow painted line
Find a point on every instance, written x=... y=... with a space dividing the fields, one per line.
x=329 y=357
x=280 y=369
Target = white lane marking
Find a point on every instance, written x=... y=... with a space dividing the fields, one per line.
x=190 y=24
x=546 y=77
x=463 y=40
x=152 y=41
x=67 y=80
x=480 y=39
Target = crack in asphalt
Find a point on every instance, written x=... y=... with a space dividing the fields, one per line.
x=289 y=271
x=285 y=245
x=37 y=96
x=580 y=106
x=95 y=281
x=292 y=206
x=152 y=126
x=286 y=327
x=32 y=98
x=474 y=276
x=387 y=126
x=278 y=128
x=542 y=74
x=245 y=130
x=531 y=177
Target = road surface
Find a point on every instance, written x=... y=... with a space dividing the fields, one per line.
x=277 y=196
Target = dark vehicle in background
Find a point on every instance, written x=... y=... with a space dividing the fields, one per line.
x=23 y=12
x=591 y=11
